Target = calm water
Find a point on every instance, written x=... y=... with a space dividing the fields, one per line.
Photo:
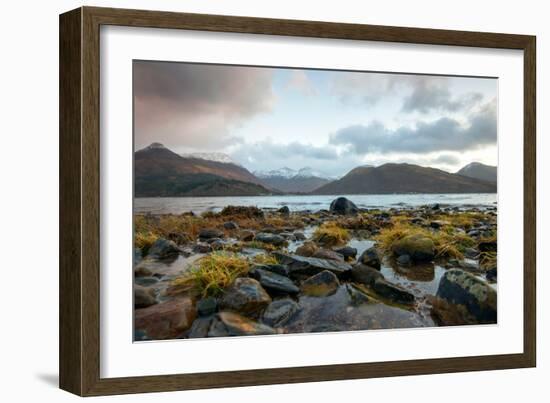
x=177 y=205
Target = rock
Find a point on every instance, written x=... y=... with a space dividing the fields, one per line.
x=163 y=248
x=491 y=274
x=392 y=292
x=146 y=281
x=371 y=258
x=471 y=253
x=179 y=238
x=200 y=327
x=274 y=282
x=470 y=265
x=273 y=239
x=437 y=224
x=299 y=236
x=322 y=284
x=207 y=306
x=280 y=269
x=143 y=296
x=218 y=244
x=347 y=252
x=246 y=235
x=137 y=256
x=328 y=254
x=202 y=248
x=307 y=249
x=245 y=296
x=343 y=206
x=364 y=274
x=488 y=246
x=230 y=225
x=140 y=335
x=166 y=320
x=357 y=297
x=141 y=270
x=404 y=260
x=232 y=324
x=209 y=233
x=460 y=287
x=284 y=210
x=419 y=247
x=308 y=266
x=435 y=206
x=279 y=312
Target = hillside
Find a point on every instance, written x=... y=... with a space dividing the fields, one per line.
x=288 y=180
x=479 y=171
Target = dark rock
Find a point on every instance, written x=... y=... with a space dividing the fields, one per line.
x=274 y=282
x=419 y=247
x=392 y=292
x=436 y=206
x=488 y=246
x=143 y=296
x=437 y=224
x=273 y=239
x=202 y=248
x=299 y=236
x=163 y=248
x=404 y=260
x=463 y=288
x=279 y=312
x=209 y=233
x=308 y=266
x=246 y=296
x=328 y=254
x=232 y=324
x=166 y=320
x=470 y=265
x=246 y=235
x=307 y=249
x=343 y=206
x=491 y=274
x=146 y=281
x=200 y=327
x=364 y=274
x=207 y=306
x=357 y=297
x=140 y=335
x=230 y=225
x=471 y=253
x=347 y=252
x=141 y=270
x=137 y=256
x=320 y=285
x=280 y=269
x=284 y=210
x=371 y=258
x=218 y=244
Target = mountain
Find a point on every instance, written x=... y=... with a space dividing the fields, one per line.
x=289 y=180
x=479 y=171
x=161 y=172
x=404 y=178
x=216 y=157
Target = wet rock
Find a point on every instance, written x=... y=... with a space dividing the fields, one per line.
x=299 y=236
x=218 y=244
x=322 y=284
x=437 y=224
x=471 y=253
x=491 y=274
x=420 y=248
x=404 y=260
x=166 y=320
x=141 y=270
x=460 y=287
x=246 y=235
x=307 y=249
x=371 y=258
x=202 y=248
x=284 y=210
x=146 y=281
x=200 y=327
x=163 y=248
x=392 y=292
x=232 y=324
x=447 y=314
x=364 y=274
x=470 y=265
x=273 y=239
x=209 y=233
x=357 y=297
x=488 y=246
x=143 y=296
x=343 y=206
x=230 y=225
x=207 y=306
x=137 y=256
x=280 y=269
x=347 y=252
x=274 y=282
x=245 y=296
x=328 y=254
x=308 y=266
x=279 y=312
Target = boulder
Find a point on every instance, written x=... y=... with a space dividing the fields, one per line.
x=322 y=284
x=419 y=247
x=143 y=296
x=437 y=224
x=404 y=260
x=284 y=210
x=280 y=269
x=230 y=225
x=307 y=249
x=364 y=274
x=460 y=287
x=279 y=312
x=347 y=252
x=371 y=258
x=328 y=254
x=232 y=324
x=392 y=292
x=343 y=206
x=210 y=233
x=202 y=248
x=207 y=306
x=308 y=266
x=245 y=296
x=163 y=248
x=299 y=236
x=166 y=320
x=273 y=239
x=274 y=282
x=357 y=297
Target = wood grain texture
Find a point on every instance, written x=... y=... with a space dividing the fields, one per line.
x=80 y=200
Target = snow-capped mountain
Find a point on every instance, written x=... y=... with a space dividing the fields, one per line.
x=216 y=157
x=277 y=173
x=291 y=180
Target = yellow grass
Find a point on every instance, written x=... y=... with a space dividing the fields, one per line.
x=330 y=234
x=264 y=259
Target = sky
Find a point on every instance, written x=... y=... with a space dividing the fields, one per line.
x=331 y=121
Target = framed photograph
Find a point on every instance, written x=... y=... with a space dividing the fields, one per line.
x=250 y=201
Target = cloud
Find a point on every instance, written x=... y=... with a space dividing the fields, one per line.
x=195 y=105
x=267 y=150
x=443 y=134
x=300 y=81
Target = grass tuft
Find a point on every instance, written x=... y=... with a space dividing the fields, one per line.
x=331 y=234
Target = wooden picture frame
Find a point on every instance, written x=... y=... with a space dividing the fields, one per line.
x=80 y=200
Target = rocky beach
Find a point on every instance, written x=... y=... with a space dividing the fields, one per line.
x=262 y=271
